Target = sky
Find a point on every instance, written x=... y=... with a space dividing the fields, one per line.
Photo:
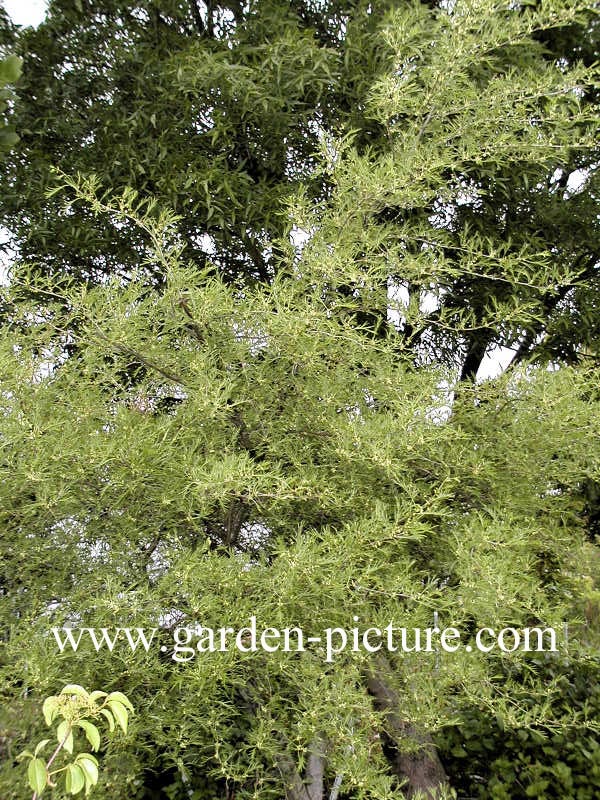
x=26 y=12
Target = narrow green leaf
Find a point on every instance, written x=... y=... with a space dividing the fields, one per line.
x=40 y=746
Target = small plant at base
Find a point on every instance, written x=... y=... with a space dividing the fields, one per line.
x=74 y=708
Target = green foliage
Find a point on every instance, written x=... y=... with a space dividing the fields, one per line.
x=488 y=761
x=263 y=252
x=466 y=125
x=267 y=458
x=77 y=708
x=10 y=72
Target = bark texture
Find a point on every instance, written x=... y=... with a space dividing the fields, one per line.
x=421 y=768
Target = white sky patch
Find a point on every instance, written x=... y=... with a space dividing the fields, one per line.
x=397 y=298
x=26 y=12
x=442 y=410
x=495 y=361
x=299 y=237
x=6 y=258
x=577 y=180
x=429 y=302
x=207 y=243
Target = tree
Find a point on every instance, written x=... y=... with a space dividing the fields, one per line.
x=217 y=111
x=198 y=438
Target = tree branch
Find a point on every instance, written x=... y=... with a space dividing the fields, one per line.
x=312 y=788
x=197 y=17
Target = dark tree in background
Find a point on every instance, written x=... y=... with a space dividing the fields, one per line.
x=217 y=111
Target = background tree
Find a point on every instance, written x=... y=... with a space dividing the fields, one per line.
x=217 y=110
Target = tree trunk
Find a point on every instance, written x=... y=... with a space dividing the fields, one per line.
x=421 y=769
x=312 y=787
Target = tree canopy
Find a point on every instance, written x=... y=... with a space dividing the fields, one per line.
x=259 y=254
